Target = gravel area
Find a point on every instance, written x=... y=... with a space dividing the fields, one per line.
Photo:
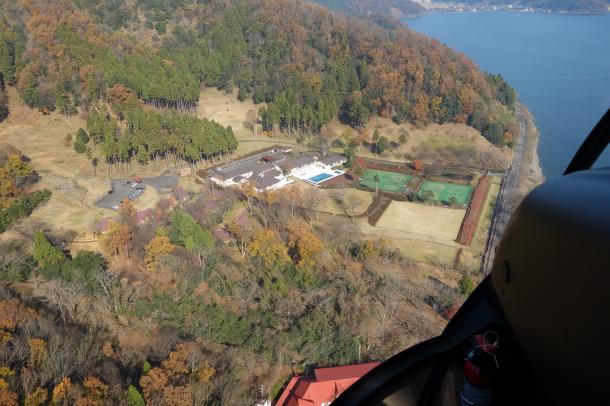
x=128 y=188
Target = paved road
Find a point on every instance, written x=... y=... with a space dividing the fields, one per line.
x=504 y=207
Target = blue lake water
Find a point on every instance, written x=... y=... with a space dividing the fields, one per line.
x=559 y=65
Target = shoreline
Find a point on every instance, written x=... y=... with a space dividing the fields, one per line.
x=440 y=8
x=531 y=174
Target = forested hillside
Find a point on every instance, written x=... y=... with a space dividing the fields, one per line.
x=306 y=63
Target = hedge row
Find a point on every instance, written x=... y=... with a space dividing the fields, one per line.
x=471 y=219
x=22 y=208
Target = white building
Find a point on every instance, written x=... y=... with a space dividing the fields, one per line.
x=235 y=176
x=333 y=160
x=300 y=166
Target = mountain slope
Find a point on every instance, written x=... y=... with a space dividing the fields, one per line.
x=307 y=63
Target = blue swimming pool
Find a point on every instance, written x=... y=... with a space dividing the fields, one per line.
x=321 y=177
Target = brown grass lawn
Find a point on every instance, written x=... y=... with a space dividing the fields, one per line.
x=225 y=109
x=357 y=200
x=418 y=247
x=67 y=174
x=439 y=223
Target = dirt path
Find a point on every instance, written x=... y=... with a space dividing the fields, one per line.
x=376 y=209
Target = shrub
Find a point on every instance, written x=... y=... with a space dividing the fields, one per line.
x=337 y=143
x=134 y=398
x=161 y=27
x=494 y=133
x=80 y=147
x=22 y=208
x=466 y=285
x=45 y=253
x=82 y=136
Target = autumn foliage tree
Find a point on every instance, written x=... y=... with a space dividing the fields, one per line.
x=159 y=247
x=268 y=247
x=37 y=398
x=117 y=239
x=304 y=244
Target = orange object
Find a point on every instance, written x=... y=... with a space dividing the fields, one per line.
x=324 y=386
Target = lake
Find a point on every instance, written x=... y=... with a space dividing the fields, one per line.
x=559 y=65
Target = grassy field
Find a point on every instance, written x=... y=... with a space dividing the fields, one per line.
x=437 y=222
x=419 y=247
x=226 y=109
x=345 y=201
x=442 y=192
x=388 y=181
x=68 y=175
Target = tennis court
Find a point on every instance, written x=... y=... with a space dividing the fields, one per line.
x=442 y=192
x=388 y=181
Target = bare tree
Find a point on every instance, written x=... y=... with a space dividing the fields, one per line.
x=251 y=121
x=65 y=297
x=340 y=235
x=311 y=202
x=351 y=204
x=291 y=197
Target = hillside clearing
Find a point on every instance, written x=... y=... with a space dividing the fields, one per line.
x=437 y=222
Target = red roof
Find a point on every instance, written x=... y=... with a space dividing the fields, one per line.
x=345 y=372
x=324 y=387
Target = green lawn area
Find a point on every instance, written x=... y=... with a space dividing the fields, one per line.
x=442 y=192
x=388 y=181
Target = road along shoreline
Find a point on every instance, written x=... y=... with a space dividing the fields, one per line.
x=522 y=175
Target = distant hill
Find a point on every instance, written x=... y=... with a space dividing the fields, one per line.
x=575 y=6
x=308 y=64
x=365 y=7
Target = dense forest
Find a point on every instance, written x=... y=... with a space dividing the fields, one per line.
x=308 y=64
x=130 y=131
x=212 y=321
x=573 y=6
x=369 y=7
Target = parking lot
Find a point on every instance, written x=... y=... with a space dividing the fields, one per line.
x=128 y=188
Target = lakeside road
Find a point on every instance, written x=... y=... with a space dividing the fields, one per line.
x=508 y=191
